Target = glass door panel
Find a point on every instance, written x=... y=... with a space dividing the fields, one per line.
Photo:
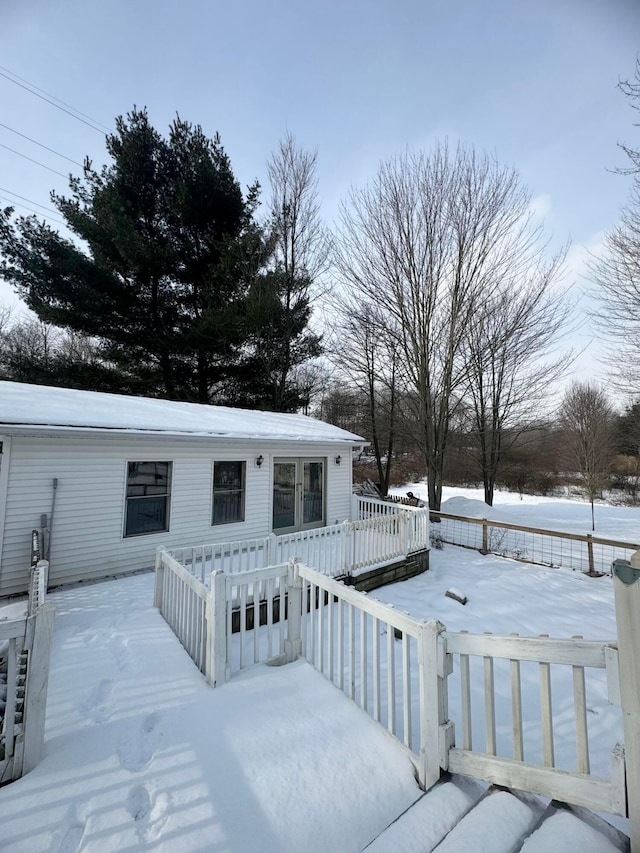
x=313 y=493
x=284 y=495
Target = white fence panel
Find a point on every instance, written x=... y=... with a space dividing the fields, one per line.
x=184 y=602
x=324 y=548
x=12 y=664
x=229 y=557
x=378 y=657
x=255 y=617
x=338 y=549
x=367 y=507
x=25 y=650
x=505 y=742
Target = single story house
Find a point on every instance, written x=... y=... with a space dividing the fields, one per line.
x=118 y=476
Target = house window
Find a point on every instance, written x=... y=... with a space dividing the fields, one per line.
x=148 y=497
x=228 y=492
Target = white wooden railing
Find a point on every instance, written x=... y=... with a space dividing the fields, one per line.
x=25 y=649
x=244 y=555
x=399 y=670
x=336 y=550
x=379 y=657
x=185 y=603
x=369 y=507
x=216 y=623
x=504 y=758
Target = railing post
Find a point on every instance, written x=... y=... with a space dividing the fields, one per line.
x=272 y=550
x=626 y=584
x=216 y=611
x=35 y=704
x=43 y=580
x=434 y=723
x=592 y=567
x=485 y=537
x=158 y=586
x=293 y=642
x=406 y=532
x=346 y=547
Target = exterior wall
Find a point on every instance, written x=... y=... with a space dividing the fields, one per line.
x=87 y=531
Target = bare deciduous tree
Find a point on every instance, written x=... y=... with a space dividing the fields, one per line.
x=508 y=349
x=617 y=276
x=587 y=421
x=616 y=273
x=41 y=353
x=303 y=242
x=429 y=240
x=368 y=357
x=302 y=247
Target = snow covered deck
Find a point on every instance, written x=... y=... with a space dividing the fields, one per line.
x=141 y=754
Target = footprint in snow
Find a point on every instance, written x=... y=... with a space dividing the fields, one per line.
x=98 y=705
x=137 y=747
x=119 y=648
x=71 y=834
x=139 y=803
x=71 y=840
x=149 y=814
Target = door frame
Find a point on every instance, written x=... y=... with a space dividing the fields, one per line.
x=299 y=462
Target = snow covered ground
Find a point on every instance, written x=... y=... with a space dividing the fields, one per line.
x=142 y=755
x=536 y=511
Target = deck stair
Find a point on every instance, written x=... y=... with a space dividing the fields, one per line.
x=459 y=815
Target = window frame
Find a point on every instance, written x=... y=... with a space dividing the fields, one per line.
x=229 y=491
x=166 y=495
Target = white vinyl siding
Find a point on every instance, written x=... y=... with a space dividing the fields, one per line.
x=88 y=540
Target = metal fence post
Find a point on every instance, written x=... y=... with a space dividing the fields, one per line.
x=626 y=584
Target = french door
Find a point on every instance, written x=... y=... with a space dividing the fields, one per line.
x=298 y=494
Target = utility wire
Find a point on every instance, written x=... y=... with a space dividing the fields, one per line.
x=33 y=210
x=64 y=103
x=37 y=162
x=30 y=200
x=35 y=142
x=52 y=102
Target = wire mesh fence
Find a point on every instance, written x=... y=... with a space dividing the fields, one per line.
x=581 y=552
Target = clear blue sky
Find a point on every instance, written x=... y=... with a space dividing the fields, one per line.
x=534 y=83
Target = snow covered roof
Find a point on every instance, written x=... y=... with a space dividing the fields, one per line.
x=39 y=405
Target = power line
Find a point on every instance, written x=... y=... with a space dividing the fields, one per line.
x=30 y=200
x=59 y=100
x=52 y=102
x=42 y=145
x=37 y=162
x=26 y=207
